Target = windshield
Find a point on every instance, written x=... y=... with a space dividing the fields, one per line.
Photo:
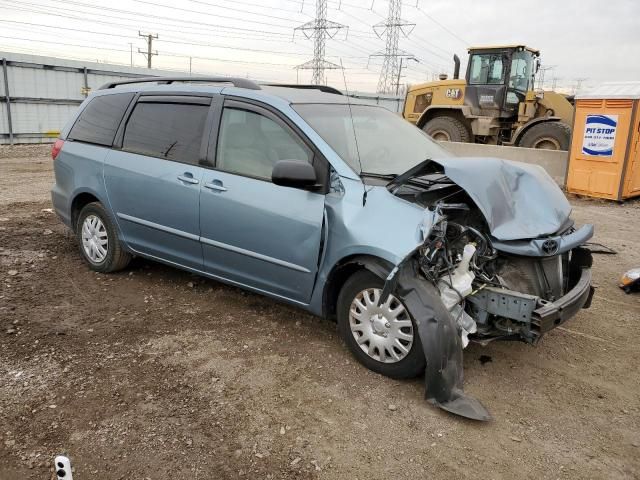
x=387 y=144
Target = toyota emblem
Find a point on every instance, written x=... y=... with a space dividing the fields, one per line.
x=549 y=247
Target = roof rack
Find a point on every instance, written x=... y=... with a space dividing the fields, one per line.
x=237 y=82
x=322 y=88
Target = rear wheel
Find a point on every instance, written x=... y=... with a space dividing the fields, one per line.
x=383 y=338
x=548 y=136
x=98 y=240
x=448 y=129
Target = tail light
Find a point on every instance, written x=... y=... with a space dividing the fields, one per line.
x=56 y=148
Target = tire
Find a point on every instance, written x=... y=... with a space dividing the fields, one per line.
x=114 y=258
x=547 y=135
x=411 y=364
x=447 y=128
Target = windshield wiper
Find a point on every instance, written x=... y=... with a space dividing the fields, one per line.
x=379 y=175
x=415 y=171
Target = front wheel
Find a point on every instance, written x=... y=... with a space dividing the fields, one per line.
x=447 y=129
x=383 y=338
x=548 y=135
x=98 y=240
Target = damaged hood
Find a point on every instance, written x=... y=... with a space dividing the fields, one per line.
x=518 y=200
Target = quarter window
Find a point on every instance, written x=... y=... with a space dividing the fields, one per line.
x=166 y=130
x=251 y=144
x=100 y=119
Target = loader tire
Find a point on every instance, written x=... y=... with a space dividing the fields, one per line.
x=448 y=129
x=548 y=136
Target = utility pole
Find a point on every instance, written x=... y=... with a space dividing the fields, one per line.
x=319 y=29
x=148 y=54
x=391 y=29
x=131 y=53
x=400 y=71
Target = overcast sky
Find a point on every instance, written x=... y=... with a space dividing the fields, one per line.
x=593 y=40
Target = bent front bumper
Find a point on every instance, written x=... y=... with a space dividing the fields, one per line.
x=552 y=314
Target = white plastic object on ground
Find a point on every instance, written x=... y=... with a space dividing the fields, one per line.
x=62 y=465
x=454 y=288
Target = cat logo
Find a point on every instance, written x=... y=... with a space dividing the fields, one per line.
x=454 y=93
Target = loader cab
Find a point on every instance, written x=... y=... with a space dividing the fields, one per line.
x=498 y=79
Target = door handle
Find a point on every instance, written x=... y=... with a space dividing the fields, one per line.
x=215 y=185
x=187 y=178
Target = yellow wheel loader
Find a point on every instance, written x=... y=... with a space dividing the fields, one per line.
x=495 y=103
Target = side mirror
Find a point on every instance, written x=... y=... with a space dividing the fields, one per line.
x=294 y=173
x=537 y=65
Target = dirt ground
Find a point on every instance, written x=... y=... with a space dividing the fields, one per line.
x=154 y=373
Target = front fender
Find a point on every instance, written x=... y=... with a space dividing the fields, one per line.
x=441 y=344
x=430 y=112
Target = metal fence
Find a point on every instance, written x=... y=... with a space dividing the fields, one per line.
x=38 y=94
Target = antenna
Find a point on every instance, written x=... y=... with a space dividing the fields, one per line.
x=353 y=128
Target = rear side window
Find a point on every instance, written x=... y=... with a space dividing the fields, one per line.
x=166 y=130
x=99 y=120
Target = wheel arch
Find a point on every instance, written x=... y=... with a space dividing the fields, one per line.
x=520 y=131
x=344 y=269
x=459 y=112
x=79 y=200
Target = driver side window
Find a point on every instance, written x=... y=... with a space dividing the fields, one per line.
x=251 y=144
x=520 y=72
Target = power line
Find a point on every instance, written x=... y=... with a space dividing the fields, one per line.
x=162 y=52
x=170 y=40
x=271 y=7
x=192 y=31
x=446 y=29
x=145 y=16
x=55 y=11
x=200 y=12
x=64 y=43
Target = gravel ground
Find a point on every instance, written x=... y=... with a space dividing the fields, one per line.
x=156 y=373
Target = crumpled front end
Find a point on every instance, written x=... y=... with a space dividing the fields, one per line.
x=489 y=279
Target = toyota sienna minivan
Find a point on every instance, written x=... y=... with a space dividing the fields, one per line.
x=330 y=204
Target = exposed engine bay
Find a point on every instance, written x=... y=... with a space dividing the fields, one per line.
x=492 y=288
x=493 y=294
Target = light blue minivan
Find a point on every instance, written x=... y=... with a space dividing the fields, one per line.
x=324 y=202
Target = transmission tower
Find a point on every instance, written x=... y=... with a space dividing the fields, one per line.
x=319 y=29
x=578 y=84
x=391 y=30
